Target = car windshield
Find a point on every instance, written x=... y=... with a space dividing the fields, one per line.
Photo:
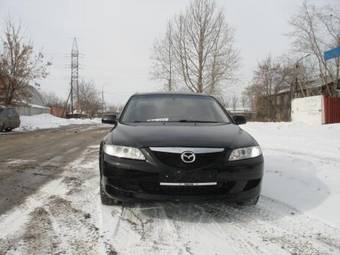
x=174 y=108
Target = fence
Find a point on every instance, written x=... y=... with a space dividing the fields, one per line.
x=331 y=109
x=308 y=110
x=30 y=110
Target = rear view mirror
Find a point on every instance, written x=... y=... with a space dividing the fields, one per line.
x=239 y=119
x=109 y=119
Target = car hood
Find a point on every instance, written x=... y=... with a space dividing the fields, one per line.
x=181 y=135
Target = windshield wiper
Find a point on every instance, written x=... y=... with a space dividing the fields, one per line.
x=195 y=121
x=147 y=121
x=183 y=120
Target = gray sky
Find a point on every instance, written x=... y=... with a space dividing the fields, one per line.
x=115 y=37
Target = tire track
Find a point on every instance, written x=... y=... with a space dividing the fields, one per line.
x=297 y=236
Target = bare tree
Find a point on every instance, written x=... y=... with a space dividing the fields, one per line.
x=115 y=108
x=234 y=102
x=250 y=93
x=203 y=53
x=19 y=64
x=52 y=99
x=226 y=104
x=164 y=60
x=315 y=30
x=222 y=100
x=269 y=79
x=244 y=101
x=89 y=98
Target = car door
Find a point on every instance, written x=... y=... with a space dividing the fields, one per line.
x=12 y=118
x=7 y=118
x=2 y=118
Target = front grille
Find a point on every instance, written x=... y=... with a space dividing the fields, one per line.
x=202 y=159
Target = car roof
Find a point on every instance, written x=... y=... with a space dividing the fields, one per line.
x=171 y=93
x=6 y=107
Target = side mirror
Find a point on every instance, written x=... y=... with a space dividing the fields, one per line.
x=109 y=119
x=239 y=119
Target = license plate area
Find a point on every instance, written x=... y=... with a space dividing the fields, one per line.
x=204 y=177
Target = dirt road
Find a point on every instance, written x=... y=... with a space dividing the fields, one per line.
x=29 y=160
x=57 y=211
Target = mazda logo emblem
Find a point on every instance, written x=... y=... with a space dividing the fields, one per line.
x=188 y=157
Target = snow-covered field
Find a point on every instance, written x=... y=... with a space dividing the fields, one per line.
x=43 y=121
x=302 y=166
x=298 y=212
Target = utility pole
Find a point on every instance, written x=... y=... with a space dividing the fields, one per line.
x=71 y=96
x=74 y=76
x=294 y=89
x=103 y=103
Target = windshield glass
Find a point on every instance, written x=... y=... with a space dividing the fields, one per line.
x=174 y=108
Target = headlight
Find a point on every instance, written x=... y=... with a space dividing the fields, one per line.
x=244 y=153
x=123 y=152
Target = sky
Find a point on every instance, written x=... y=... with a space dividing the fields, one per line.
x=115 y=38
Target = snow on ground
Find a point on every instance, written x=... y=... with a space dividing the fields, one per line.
x=320 y=141
x=302 y=166
x=43 y=121
x=297 y=212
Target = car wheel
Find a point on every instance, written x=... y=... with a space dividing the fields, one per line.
x=249 y=202
x=106 y=200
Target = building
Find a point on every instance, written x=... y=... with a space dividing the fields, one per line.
x=244 y=111
x=33 y=105
x=281 y=100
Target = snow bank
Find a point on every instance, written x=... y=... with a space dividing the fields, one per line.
x=318 y=141
x=43 y=121
x=302 y=166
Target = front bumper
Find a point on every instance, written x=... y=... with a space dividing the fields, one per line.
x=125 y=180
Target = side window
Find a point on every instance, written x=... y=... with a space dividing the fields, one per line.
x=10 y=112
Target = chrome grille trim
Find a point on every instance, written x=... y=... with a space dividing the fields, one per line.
x=188 y=183
x=180 y=150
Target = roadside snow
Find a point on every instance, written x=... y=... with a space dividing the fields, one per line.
x=44 y=121
x=321 y=141
x=302 y=166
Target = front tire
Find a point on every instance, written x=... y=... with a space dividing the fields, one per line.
x=105 y=199
x=249 y=202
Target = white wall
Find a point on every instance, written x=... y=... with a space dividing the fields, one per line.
x=29 y=110
x=308 y=110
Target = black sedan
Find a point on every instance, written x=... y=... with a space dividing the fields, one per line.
x=168 y=146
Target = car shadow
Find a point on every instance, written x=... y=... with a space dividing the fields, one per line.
x=290 y=187
x=295 y=179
